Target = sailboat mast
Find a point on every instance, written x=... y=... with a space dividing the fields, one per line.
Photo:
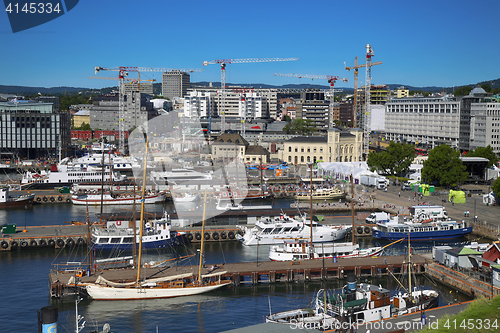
x=91 y=259
x=352 y=208
x=311 y=217
x=139 y=259
x=202 y=238
x=409 y=266
x=103 y=168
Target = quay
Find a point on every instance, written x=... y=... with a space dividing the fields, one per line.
x=62 y=281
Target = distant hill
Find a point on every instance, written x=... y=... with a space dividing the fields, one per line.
x=21 y=90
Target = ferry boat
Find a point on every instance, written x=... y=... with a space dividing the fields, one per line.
x=117 y=199
x=426 y=230
x=268 y=231
x=300 y=250
x=8 y=201
x=321 y=194
x=117 y=236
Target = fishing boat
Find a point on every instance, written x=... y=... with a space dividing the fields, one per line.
x=7 y=200
x=276 y=230
x=321 y=194
x=426 y=230
x=316 y=316
x=117 y=236
x=299 y=249
x=116 y=198
x=151 y=288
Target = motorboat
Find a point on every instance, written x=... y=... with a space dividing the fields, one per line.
x=321 y=194
x=278 y=229
x=7 y=200
x=186 y=197
x=117 y=198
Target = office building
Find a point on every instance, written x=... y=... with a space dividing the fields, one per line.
x=175 y=84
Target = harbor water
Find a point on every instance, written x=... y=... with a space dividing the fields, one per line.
x=24 y=285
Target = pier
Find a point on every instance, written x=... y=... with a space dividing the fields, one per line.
x=62 y=282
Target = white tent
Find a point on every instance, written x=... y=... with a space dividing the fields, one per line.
x=344 y=170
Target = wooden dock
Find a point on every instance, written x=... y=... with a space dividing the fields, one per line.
x=250 y=272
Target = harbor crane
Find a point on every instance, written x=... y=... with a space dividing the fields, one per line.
x=223 y=63
x=122 y=74
x=331 y=79
x=366 y=115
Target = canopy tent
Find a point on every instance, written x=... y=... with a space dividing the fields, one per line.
x=342 y=171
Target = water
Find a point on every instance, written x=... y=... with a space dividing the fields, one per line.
x=24 y=287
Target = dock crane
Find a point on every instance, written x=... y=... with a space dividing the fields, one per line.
x=331 y=79
x=122 y=74
x=223 y=63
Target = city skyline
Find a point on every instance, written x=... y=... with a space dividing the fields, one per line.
x=429 y=44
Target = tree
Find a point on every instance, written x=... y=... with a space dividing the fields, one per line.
x=300 y=126
x=486 y=87
x=485 y=152
x=496 y=187
x=287 y=118
x=396 y=160
x=444 y=167
x=462 y=91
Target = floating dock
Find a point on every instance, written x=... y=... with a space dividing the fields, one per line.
x=62 y=282
x=56 y=236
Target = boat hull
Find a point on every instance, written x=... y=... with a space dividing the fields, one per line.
x=174 y=240
x=21 y=202
x=96 y=200
x=424 y=235
x=98 y=292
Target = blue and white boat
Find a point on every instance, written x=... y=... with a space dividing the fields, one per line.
x=117 y=236
x=426 y=230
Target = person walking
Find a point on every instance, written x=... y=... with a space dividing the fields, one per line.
x=399 y=194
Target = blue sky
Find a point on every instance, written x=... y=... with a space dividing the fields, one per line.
x=421 y=43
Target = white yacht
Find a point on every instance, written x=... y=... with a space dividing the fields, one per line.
x=179 y=175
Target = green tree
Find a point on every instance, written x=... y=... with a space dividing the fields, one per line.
x=395 y=160
x=287 y=118
x=444 y=167
x=496 y=187
x=462 y=91
x=486 y=87
x=485 y=152
x=300 y=126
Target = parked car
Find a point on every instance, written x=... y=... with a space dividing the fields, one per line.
x=406 y=187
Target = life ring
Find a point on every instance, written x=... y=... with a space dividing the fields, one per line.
x=359 y=230
x=189 y=236
x=118 y=187
x=223 y=235
x=80 y=241
x=70 y=242
x=215 y=236
x=52 y=243
x=38 y=199
x=33 y=243
x=52 y=199
x=23 y=243
x=45 y=199
x=295 y=249
x=230 y=235
x=206 y=235
x=198 y=236
x=59 y=198
x=4 y=244
x=42 y=242
x=118 y=222
x=13 y=245
x=367 y=230
x=60 y=242
x=68 y=200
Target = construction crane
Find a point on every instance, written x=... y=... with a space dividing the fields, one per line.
x=223 y=63
x=356 y=69
x=331 y=79
x=122 y=74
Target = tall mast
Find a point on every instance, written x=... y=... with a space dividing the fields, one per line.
x=311 y=217
x=409 y=267
x=202 y=238
x=352 y=207
x=142 y=213
x=91 y=259
x=103 y=169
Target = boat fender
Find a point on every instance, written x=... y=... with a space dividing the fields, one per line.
x=223 y=235
x=60 y=242
x=367 y=230
x=24 y=243
x=13 y=245
x=4 y=245
x=198 y=236
x=59 y=198
x=43 y=242
x=230 y=235
x=38 y=199
x=189 y=236
x=45 y=199
x=80 y=241
x=52 y=242
x=52 y=199
x=206 y=235
x=68 y=200
x=359 y=230
x=70 y=242
x=215 y=236
x=33 y=243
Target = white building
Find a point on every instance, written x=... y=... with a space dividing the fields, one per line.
x=425 y=120
x=250 y=106
x=197 y=104
x=377 y=119
x=485 y=126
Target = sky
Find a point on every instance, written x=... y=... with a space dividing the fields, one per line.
x=420 y=43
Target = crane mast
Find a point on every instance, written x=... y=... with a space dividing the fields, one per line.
x=367 y=115
x=223 y=63
x=122 y=74
x=331 y=79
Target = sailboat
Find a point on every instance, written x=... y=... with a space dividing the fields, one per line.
x=163 y=287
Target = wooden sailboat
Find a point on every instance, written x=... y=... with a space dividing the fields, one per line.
x=164 y=287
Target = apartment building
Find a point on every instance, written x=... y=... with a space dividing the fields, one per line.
x=485 y=126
